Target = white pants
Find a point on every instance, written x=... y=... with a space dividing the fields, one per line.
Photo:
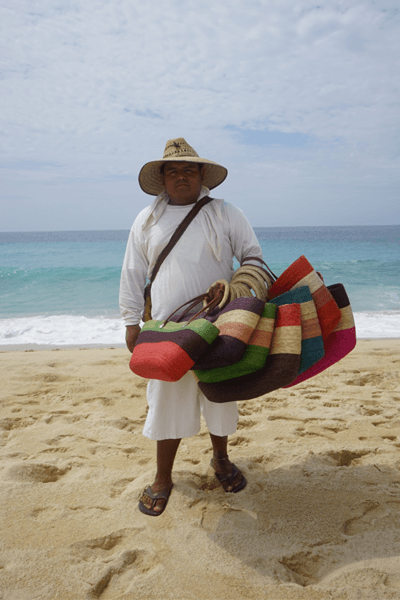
x=174 y=411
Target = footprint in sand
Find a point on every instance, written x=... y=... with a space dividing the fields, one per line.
x=246 y=424
x=64 y=416
x=36 y=473
x=58 y=450
x=119 y=486
x=373 y=516
x=87 y=549
x=47 y=513
x=59 y=438
x=248 y=410
x=192 y=461
x=283 y=418
x=117 y=567
x=239 y=440
x=310 y=566
x=300 y=431
x=370 y=412
x=302 y=568
x=103 y=561
x=336 y=428
x=101 y=399
x=206 y=482
x=124 y=423
x=386 y=381
x=387 y=424
x=8 y=424
x=347 y=458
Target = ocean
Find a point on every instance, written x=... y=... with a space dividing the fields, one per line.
x=60 y=288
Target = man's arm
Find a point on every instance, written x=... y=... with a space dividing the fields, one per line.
x=133 y=278
x=132 y=332
x=243 y=239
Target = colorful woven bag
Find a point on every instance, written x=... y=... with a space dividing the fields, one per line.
x=312 y=346
x=280 y=369
x=166 y=350
x=301 y=273
x=340 y=342
x=236 y=323
x=254 y=356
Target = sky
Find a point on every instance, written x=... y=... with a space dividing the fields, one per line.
x=300 y=101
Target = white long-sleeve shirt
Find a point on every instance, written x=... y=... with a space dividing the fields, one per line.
x=202 y=255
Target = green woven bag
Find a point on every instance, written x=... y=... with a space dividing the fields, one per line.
x=254 y=356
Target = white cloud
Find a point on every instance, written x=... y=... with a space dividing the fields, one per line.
x=91 y=90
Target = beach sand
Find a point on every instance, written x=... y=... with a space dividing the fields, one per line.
x=319 y=519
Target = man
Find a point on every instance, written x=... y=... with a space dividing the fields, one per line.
x=202 y=255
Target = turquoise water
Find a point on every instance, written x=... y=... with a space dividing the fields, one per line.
x=78 y=272
x=76 y=275
x=365 y=259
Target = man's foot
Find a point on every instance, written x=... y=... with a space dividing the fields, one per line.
x=153 y=503
x=229 y=476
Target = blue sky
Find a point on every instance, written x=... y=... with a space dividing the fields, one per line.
x=300 y=101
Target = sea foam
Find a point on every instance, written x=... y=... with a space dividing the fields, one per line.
x=67 y=330
x=62 y=330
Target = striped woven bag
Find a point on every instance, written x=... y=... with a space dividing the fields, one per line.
x=254 y=356
x=302 y=273
x=280 y=369
x=312 y=346
x=236 y=323
x=341 y=341
x=166 y=350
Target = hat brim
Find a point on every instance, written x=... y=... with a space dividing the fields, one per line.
x=150 y=178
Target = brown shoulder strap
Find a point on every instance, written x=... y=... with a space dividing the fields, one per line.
x=183 y=225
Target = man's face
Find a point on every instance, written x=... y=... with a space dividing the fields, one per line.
x=182 y=181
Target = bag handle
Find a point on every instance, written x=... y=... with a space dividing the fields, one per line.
x=212 y=304
x=267 y=270
x=208 y=307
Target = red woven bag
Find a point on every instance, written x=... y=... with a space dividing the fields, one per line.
x=300 y=273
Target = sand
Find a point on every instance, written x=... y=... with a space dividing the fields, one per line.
x=319 y=519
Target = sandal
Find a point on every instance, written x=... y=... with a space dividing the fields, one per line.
x=226 y=480
x=154 y=497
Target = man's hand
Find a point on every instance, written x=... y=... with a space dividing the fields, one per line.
x=132 y=332
x=215 y=290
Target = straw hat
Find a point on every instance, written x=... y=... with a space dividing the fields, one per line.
x=150 y=178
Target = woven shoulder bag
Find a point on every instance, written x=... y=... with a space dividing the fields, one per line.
x=166 y=350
